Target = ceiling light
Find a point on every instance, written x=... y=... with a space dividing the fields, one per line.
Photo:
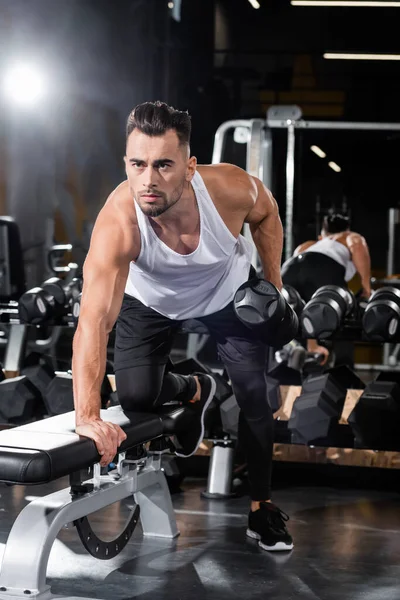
x=354 y=3
x=318 y=151
x=254 y=3
x=170 y=5
x=334 y=166
x=357 y=56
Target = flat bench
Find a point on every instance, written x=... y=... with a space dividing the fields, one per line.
x=46 y=450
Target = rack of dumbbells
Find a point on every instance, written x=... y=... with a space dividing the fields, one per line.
x=323 y=407
x=33 y=388
x=335 y=408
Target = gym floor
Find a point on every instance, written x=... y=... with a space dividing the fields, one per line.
x=347 y=546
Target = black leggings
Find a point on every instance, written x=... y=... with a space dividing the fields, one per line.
x=143 y=343
x=309 y=271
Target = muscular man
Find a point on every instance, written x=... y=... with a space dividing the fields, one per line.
x=334 y=259
x=167 y=247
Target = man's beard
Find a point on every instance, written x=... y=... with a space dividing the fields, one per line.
x=154 y=209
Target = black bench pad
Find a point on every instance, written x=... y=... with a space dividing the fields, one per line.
x=46 y=450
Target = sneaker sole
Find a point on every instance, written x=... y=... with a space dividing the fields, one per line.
x=207 y=403
x=278 y=547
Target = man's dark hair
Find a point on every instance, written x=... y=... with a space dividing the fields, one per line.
x=335 y=223
x=155 y=118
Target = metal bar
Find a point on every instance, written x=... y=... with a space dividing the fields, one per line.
x=15 y=348
x=254 y=166
x=266 y=158
x=367 y=367
x=5 y=283
x=301 y=124
x=254 y=147
x=289 y=189
x=219 y=138
x=394 y=218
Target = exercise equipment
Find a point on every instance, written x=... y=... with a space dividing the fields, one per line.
x=316 y=412
x=50 y=302
x=58 y=396
x=12 y=269
x=325 y=313
x=296 y=357
x=56 y=254
x=346 y=377
x=220 y=471
x=41 y=375
x=381 y=319
x=76 y=307
x=49 y=449
x=375 y=420
x=262 y=308
x=293 y=298
x=20 y=401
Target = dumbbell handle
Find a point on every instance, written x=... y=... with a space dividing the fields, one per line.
x=314 y=357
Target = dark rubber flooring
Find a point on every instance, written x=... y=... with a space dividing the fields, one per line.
x=347 y=546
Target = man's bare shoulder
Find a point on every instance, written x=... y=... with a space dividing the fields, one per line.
x=116 y=223
x=227 y=181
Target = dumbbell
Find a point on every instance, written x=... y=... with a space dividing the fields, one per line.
x=76 y=307
x=263 y=309
x=293 y=298
x=381 y=319
x=325 y=312
x=49 y=302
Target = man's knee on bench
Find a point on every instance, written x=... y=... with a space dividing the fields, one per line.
x=136 y=391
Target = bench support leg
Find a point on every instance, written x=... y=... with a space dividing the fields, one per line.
x=24 y=566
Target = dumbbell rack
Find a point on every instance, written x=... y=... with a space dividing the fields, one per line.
x=17 y=341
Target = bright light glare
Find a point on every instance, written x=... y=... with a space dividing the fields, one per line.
x=353 y=3
x=334 y=166
x=170 y=5
x=318 y=151
x=254 y=3
x=354 y=56
x=24 y=85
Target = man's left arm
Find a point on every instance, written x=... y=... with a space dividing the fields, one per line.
x=266 y=229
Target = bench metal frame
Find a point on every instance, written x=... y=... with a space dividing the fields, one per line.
x=23 y=571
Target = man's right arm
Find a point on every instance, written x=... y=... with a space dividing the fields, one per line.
x=104 y=277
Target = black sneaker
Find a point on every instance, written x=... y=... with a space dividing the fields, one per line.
x=267 y=525
x=189 y=440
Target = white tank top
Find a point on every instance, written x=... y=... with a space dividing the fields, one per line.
x=338 y=252
x=192 y=285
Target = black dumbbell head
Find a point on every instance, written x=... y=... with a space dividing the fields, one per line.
x=35 y=306
x=57 y=288
x=258 y=300
x=293 y=298
x=381 y=319
x=345 y=298
x=319 y=319
x=262 y=308
x=325 y=312
x=75 y=288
